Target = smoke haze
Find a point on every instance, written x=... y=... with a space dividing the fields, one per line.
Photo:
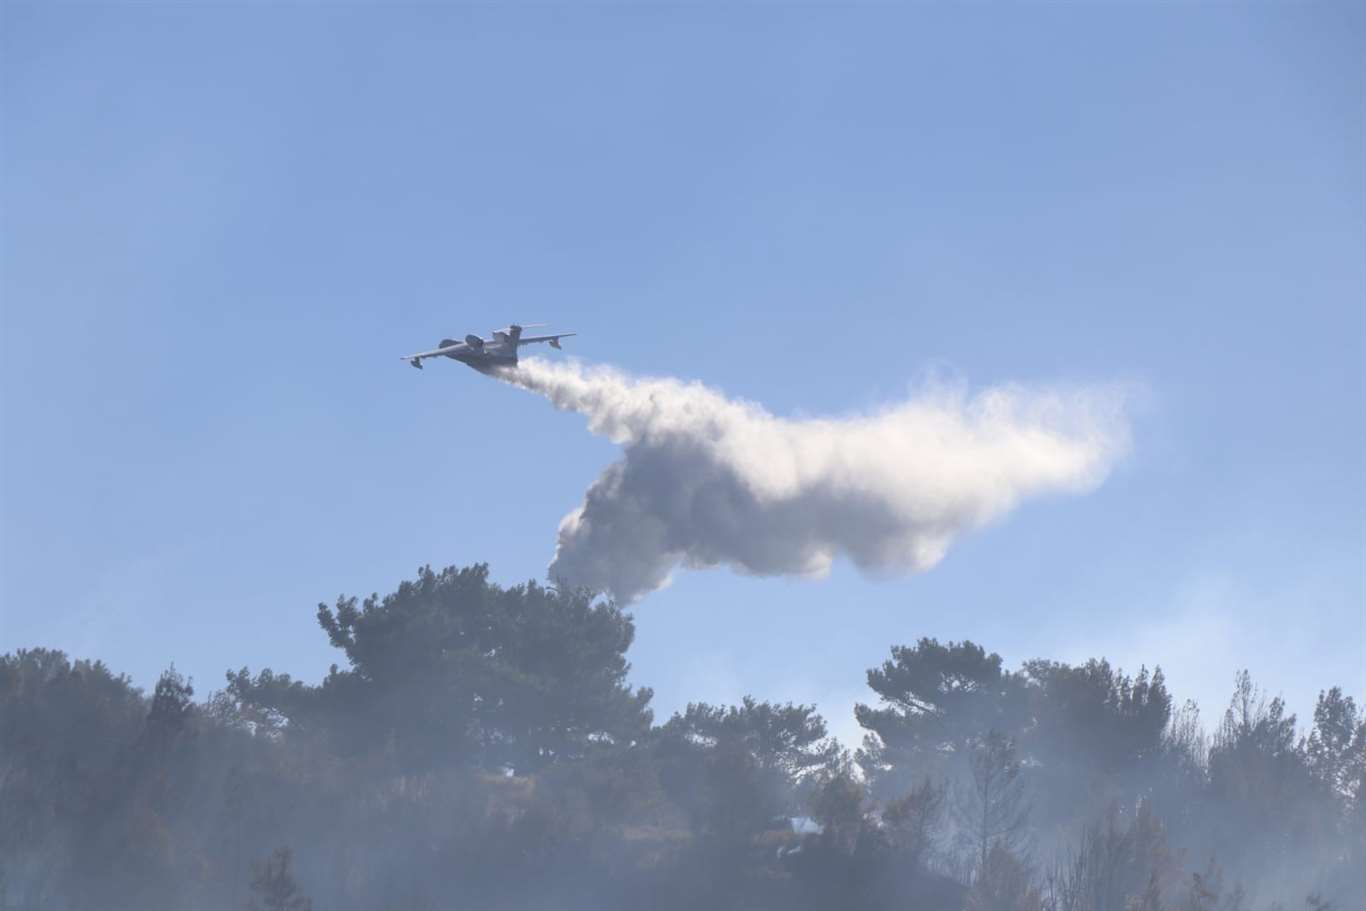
x=707 y=480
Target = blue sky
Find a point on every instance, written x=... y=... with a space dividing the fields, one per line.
x=222 y=225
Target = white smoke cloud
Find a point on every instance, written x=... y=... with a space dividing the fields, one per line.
x=706 y=480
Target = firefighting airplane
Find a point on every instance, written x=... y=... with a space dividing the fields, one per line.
x=484 y=354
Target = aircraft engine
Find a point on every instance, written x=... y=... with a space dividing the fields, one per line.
x=475 y=342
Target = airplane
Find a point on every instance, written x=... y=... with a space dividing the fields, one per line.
x=484 y=354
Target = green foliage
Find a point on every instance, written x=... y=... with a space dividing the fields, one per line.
x=1335 y=751
x=451 y=665
x=738 y=768
x=65 y=730
x=787 y=740
x=1257 y=772
x=1095 y=736
x=912 y=822
x=936 y=699
x=479 y=746
x=1118 y=720
x=837 y=804
x=172 y=712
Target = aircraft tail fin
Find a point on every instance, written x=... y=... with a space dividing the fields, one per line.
x=508 y=339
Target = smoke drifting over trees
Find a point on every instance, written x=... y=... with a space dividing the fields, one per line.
x=706 y=480
x=480 y=747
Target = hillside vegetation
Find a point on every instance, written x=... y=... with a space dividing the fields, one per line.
x=480 y=747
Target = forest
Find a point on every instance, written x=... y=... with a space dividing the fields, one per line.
x=479 y=746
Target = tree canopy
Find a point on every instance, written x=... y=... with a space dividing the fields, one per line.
x=483 y=746
x=451 y=665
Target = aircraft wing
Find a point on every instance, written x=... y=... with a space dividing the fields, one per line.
x=553 y=339
x=416 y=359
